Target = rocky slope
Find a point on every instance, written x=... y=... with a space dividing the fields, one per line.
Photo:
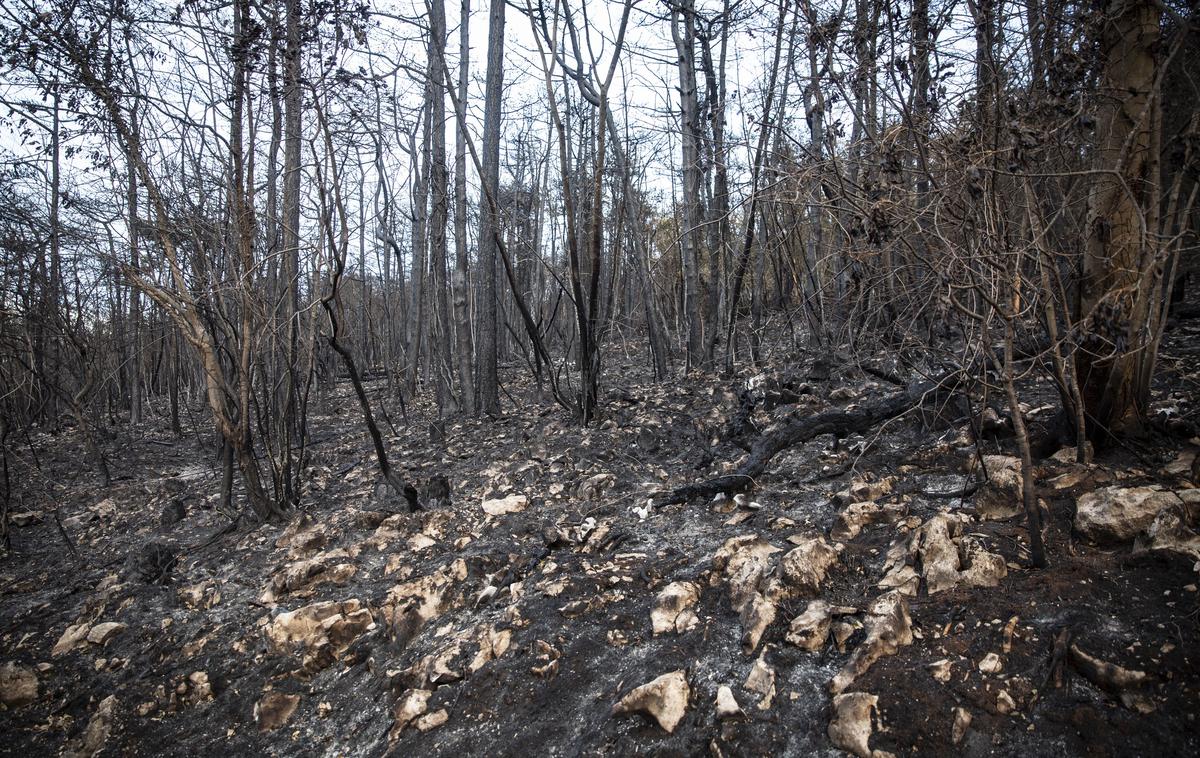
x=867 y=595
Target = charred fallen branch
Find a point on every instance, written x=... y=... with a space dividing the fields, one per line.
x=856 y=418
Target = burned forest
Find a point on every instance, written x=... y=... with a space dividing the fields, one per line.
x=599 y=377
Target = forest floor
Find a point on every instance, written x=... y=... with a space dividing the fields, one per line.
x=513 y=619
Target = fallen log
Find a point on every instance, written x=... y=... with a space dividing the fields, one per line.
x=840 y=421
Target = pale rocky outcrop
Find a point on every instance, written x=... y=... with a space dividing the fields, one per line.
x=95 y=736
x=758 y=583
x=274 y=709
x=854 y=716
x=673 y=608
x=412 y=604
x=851 y=521
x=946 y=558
x=322 y=631
x=889 y=628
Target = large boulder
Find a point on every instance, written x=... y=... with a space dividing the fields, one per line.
x=665 y=699
x=1176 y=527
x=1118 y=514
x=1000 y=498
x=803 y=568
x=854 y=716
x=18 y=685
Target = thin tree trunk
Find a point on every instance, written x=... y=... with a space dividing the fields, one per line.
x=489 y=228
x=462 y=314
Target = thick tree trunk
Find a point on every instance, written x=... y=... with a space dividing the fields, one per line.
x=439 y=212
x=683 y=31
x=1122 y=249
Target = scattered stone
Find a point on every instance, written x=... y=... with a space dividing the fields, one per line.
x=727 y=705
x=745 y=562
x=548 y=656
x=672 y=610
x=1118 y=514
x=411 y=605
x=505 y=505
x=850 y=522
x=302 y=536
x=1175 y=527
x=70 y=639
x=665 y=699
x=810 y=629
x=1183 y=464
x=962 y=722
x=862 y=490
x=104 y=509
x=24 y=519
x=492 y=644
x=1069 y=480
x=1070 y=454
x=274 y=709
x=946 y=557
x=762 y=680
x=803 y=568
x=842 y=631
x=941 y=670
x=199 y=596
x=432 y=720
x=296 y=575
x=593 y=487
x=991 y=664
x=102 y=633
x=18 y=685
x=199 y=688
x=1004 y=703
